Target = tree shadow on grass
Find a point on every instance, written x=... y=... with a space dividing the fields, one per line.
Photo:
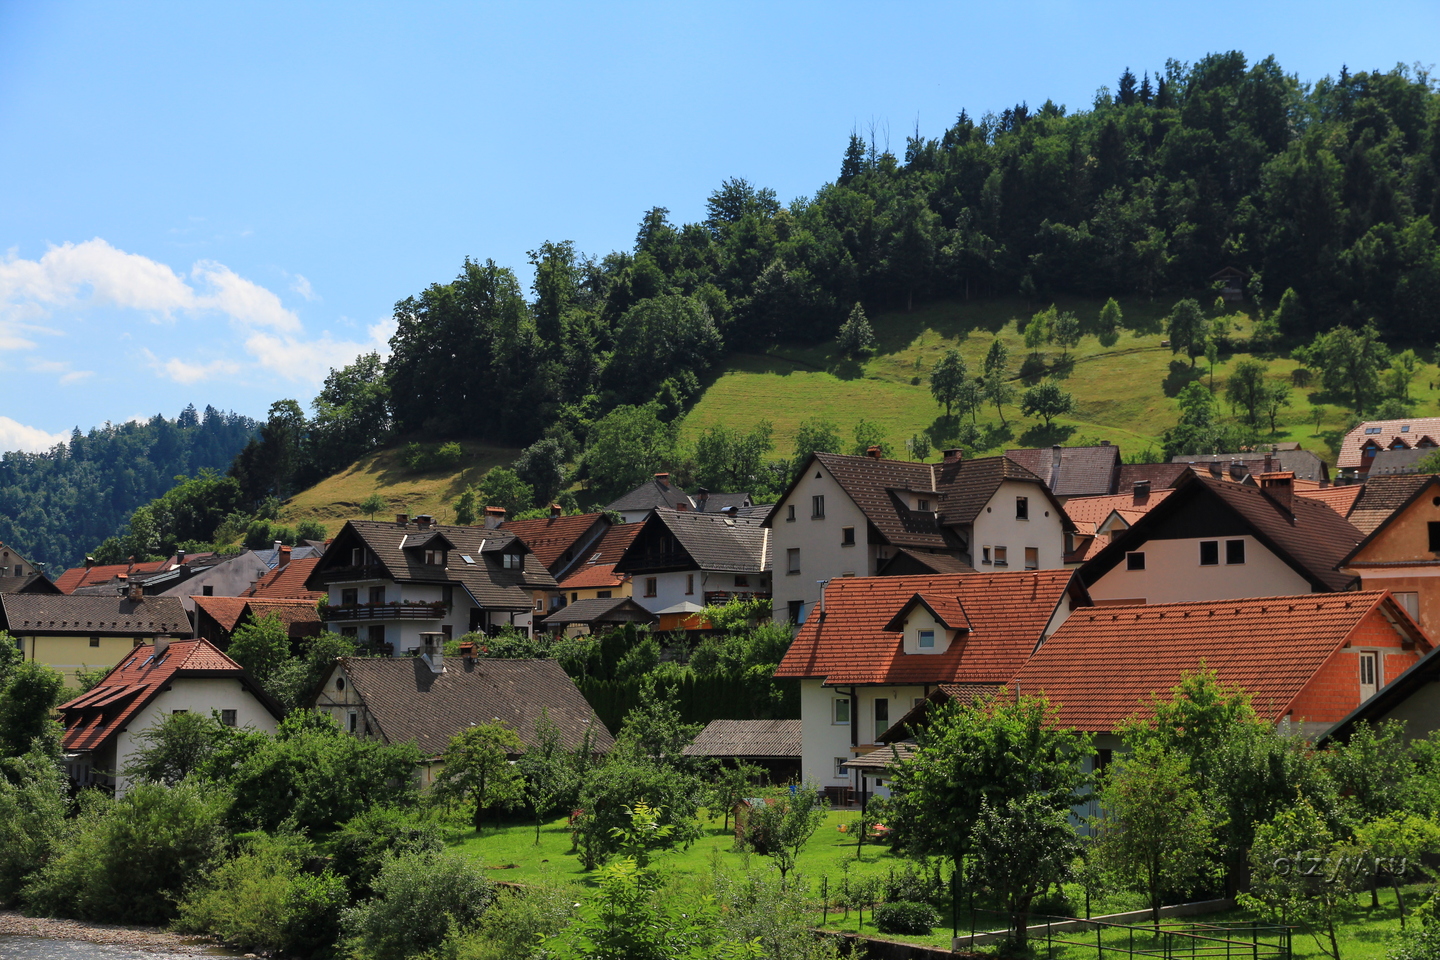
x=1042 y=436
x=1033 y=369
x=847 y=368
x=1181 y=374
x=1062 y=367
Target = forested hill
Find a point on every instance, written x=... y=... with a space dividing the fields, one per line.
x=56 y=505
x=1331 y=188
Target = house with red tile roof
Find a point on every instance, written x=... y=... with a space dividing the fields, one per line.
x=1214 y=540
x=848 y=516
x=1308 y=660
x=1341 y=499
x=596 y=578
x=1098 y=520
x=217 y=618
x=562 y=544
x=1359 y=447
x=881 y=644
x=287 y=582
x=93 y=574
x=1401 y=551
x=81 y=633
x=103 y=726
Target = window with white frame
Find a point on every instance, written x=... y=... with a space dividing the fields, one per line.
x=1002 y=557
x=840 y=772
x=926 y=640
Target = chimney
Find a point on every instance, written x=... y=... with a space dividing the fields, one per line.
x=494 y=516
x=278 y=545
x=1104 y=443
x=89 y=562
x=432 y=651
x=1238 y=469
x=703 y=496
x=467 y=650
x=954 y=455
x=1216 y=470
x=135 y=591
x=1268 y=461
x=1279 y=487
x=730 y=511
x=873 y=453
x=823 y=585
x=555 y=511
x=1141 y=491
x=401 y=519
x=179 y=558
x=1055 y=453
x=282 y=560
x=162 y=643
x=663 y=479
x=423 y=521
x=682 y=505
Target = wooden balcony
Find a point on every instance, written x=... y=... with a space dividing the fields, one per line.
x=383 y=611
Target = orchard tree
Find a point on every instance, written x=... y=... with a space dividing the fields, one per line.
x=1046 y=400
x=372 y=505
x=1039 y=330
x=1187 y=327
x=949 y=379
x=1108 y=327
x=995 y=385
x=500 y=487
x=478 y=769
x=1275 y=399
x=1245 y=389
x=1021 y=849
x=1066 y=332
x=1350 y=363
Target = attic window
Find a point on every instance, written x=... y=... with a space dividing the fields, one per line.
x=435 y=558
x=467 y=558
x=1405 y=429
x=927 y=639
x=511 y=561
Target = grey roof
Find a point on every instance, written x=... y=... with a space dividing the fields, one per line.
x=271 y=556
x=395 y=549
x=1304 y=464
x=31 y=583
x=729 y=544
x=1393 y=462
x=747 y=738
x=603 y=610
x=1073 y=471
x=409 y=702
x=49 y=614
x=658 y=492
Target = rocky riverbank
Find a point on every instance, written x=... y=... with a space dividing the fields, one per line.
x=148 y=939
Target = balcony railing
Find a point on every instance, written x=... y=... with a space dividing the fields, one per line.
x=384 y=611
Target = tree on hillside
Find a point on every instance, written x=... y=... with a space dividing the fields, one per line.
x=815 y=436
x=949 y=379
x=1187 y=327
x=1350 y=363
x=995 y=384
x=1108 y=327
x=1277 y=398
x=727 y=459
x=870 y=434
x=500 y=487
x=1039 y=330
x=856 y=338
x=467 y=507
x=1066 y=332
x=542 y=466
x=626 y=447
x=372 y=505
x=1401 y=373
x=1245 y=389
x=1046 y=400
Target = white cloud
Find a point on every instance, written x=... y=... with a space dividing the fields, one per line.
x=62 y=368
x=245 y=302
x=75 y=376
x=184 y=371
x=301 y=285
x=309 y=361
x=17 y=436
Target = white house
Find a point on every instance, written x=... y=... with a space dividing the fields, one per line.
x=104 y=726
x=683 y=557
x=847 y=516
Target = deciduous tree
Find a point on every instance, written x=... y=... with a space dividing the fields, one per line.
x=478 y=769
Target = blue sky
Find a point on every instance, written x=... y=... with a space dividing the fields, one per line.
x=216 y=202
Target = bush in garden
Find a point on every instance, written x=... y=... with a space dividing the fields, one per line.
x=33 y=802
x=610 y=794
x=362 y=844
x=515 y=922
x=420 y=900
x=905 y=916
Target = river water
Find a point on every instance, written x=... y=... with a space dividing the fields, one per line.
x=13 y=947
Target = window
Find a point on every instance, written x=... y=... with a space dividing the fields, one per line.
x=927 y=639
x=792 y=560
x=1434 y=536
x=840 y=772
x=1369 y=674
x=375 y=633
x=176 y=713
x=689 y=583
x=539 y=606
x=882 y=716
x=339 y=683
x=350 y=632
x=790 y=513
x=512 y=561
x=228 y=718
x=19 y=570
x=649 y=586
x=1135 y=561
x=602 y=594
x=1022 y=508
x=1032 y=558
x=817 y=506
x=1103 y=756
x=94 y=641
x=1001 y=554
x=207 y=591
x=349 y=597
x=841 y=711
x=847 y=536
x=357 y=557
x=922 y=506
x=377 y=594
x=354 y=718
x=1209 y=553
x=742 y=580
x=984 y=554
x=447 y=631
x=796 y=608
x=1234 y=551
x=436 y=558
x=576 y=596
x=1411 y=603
x=447 y=595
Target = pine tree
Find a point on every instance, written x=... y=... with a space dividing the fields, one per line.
x=856 y=337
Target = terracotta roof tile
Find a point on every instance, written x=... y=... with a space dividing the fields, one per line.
x=1339 y=499
x=616 y=541
x=104 y=573
x=1008 y=614
x=1385 y=432
x=594 y=576
x=1380 y=497
x=747 y=738
x=288 y=582
x=557 y=541
x=1103 y=664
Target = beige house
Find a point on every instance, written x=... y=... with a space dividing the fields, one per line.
x=75 y=633
x=1402 y=553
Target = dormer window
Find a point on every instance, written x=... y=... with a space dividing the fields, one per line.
x=927 y=640
x=512 y=561
x=435 y=558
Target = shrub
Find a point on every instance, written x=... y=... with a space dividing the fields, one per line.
x=427 y=458
x=905 y=916
x=32 y=816
x=420 y=900
x=515 y=922
x=128 y=860
x=610 y=794
x=362 y=844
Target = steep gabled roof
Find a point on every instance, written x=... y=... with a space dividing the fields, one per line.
x=851 y=643
x=1309 y=537
x=1103 y=664
x=600 y=610
x=1340 y=499
x=1383 y=433
x=410 y=703
x=747 y=738
x=1428 y=488
x=1073 y=471
x=1095 y=510
x=60 y=614
x=288 y=582
x=228 y=612
x=1380 y=497
x=94 y=717
x=655 y=492
x=30 y=583
x=593 y=576
x=560 y=542
x=712 y=541
x=969 y=484
x=911 y=562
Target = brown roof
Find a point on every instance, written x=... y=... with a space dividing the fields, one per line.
x=1104 y=663
x=1380 y=497
x=104 y=573
x=30 y=583
x=287 y=582
x=1383 y=433
x=410 y=703
x=59 y=614
x=600 y=610
x=1310 y=537
x=1340 y=499
x=1007 y=614
x=1073 y=471
x=714 y=542
x=615 y=542
x=557 y=541
x=1430 y=486
x=229 y=611
x=1159 y=475
x=92 y=718
x=747 y=738
x=925 y=560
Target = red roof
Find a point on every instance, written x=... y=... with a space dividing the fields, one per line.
x=1007 y=614
x=228 y=611
x=1101 y=667
x=76 y=577
x=288 y=582
x=1339 y=499
x=615 y=542
x=1383 y=433
x=95 y=716
x=554 y=540
x=594 y=575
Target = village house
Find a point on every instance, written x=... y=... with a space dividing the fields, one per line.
x=562 y=544
x=71 y=634
x=217 y=618
x=596 y=579
x=1213 y=540
x=1401 y=552
x=879 y=645
x=390 y=584
x=105 y=725
x=1412 y=698
x=94 y=574
x=1360 y=446
x=13 y=566
x=1099 y=520
x=683 y=560
x=596 y=616
x=287 y=582
x=1245 y=466
x=29 y=583
x=427 y=700
x=658 y=492
x=1073 y=471
x=846 y=516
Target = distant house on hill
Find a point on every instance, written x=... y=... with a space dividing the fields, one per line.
x=1073 y=471
x=1360 y=446
x=660 y=492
